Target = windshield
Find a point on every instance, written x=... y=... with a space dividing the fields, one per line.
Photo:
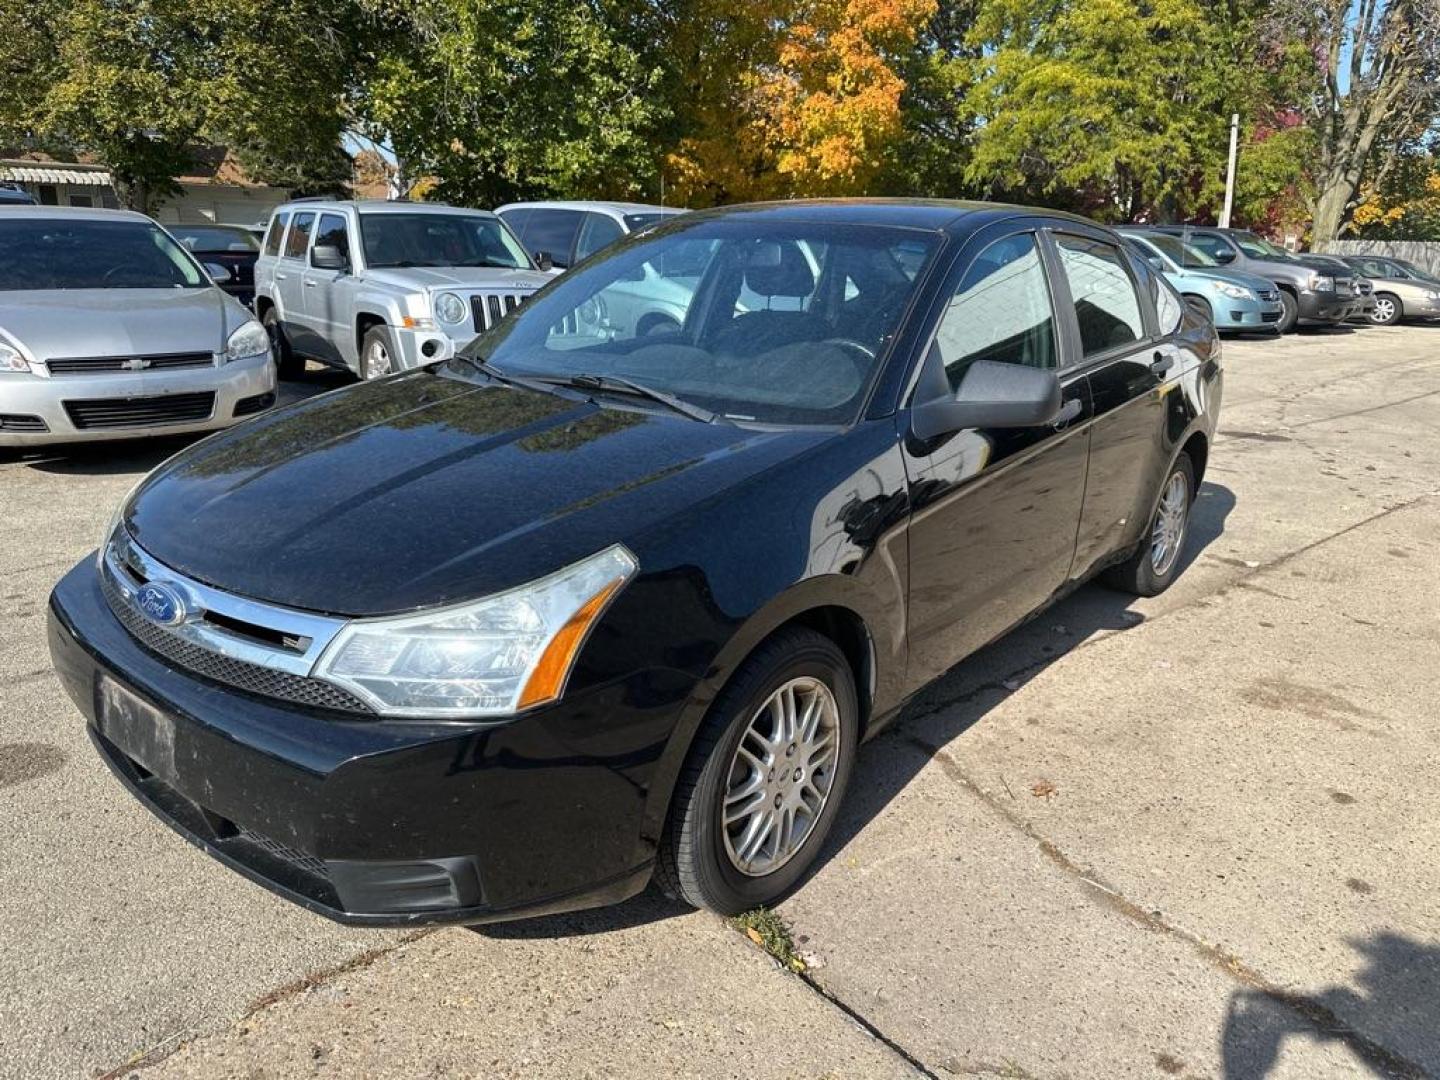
x=1258 y=248
x=782 y=323
x=636 y=222
x=421 y=239
x=56 y=253
x=1417 y=271
x=214 y=238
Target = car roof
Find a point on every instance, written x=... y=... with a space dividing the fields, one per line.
x=940 y=215
x=377 y=206
x=593 y=204
x=72 y=213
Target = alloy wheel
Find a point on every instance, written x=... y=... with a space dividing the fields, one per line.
x=1384 y=310
x=378 y=362
x=781 y=776
x=1167 y=534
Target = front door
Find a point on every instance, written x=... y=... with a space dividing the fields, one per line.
x=992 y=533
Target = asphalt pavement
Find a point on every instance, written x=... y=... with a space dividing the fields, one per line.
x=1191 y=836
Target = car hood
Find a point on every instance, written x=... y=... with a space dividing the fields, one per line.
x=1234 y=277
x=117 y=322
x=426 y=489
x=458 y=277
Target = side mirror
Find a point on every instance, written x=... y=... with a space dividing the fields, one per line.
x=991 y=395
x=1224 y=255
x=1156 y=263
x=544 y=261
x=218 y=272
x=328 y=257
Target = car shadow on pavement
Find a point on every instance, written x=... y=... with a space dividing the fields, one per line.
x=1390 y=1020
x=942 y=712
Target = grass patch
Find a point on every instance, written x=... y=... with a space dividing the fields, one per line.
x=768 y=930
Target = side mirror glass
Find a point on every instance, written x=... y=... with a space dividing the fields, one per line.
x=219 y=273
x=991 y=395
x=1156 y=263
x=328 y=257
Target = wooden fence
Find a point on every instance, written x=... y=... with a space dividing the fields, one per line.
x=1423 y=253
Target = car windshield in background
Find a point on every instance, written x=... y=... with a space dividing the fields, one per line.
x=1180 y=252
x=636 y=222
x=420 y=239
x=782 y=324
x=1257 y=248
x=55 y=253
x=214 y=238
x=1419 y=271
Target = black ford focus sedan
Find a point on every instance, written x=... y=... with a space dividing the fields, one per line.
x=605 y=598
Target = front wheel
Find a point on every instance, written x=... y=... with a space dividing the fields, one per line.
x=1387 y=310
x=1289 y=313
x=377 y=353
x=764 y=778
x=287 y=364
x=1156 y=563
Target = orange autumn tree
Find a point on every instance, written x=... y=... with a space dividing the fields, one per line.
x=812 y=112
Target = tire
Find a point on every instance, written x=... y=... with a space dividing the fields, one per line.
x=377 y=353
x=287 y=364
x=1290 y=315
x=700 y=860
x=1145 y=574
x=1200 y=306
x=1390 y=305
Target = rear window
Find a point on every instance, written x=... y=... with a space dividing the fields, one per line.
x=214 y=238
x=299 y=238
x=277 y=230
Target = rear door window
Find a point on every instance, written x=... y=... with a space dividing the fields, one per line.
x=299 y=238
x=277 y=230
x=1107 y=307
x=599 y=230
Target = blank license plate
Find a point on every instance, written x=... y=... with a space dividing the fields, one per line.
x=138 y=728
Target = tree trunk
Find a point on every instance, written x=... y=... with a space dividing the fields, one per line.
x=1335 y=194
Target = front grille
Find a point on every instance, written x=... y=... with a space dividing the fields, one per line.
x=1269 y=295
x=267 y=682
x=16 y=422
x=1270 y=316
x=489 y=308
x=140 y=412
x=1365 y=288
x=307 y=864
x=90 y=365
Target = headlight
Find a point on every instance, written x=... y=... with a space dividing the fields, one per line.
x=1322 y=283
x=1235 y=292
x=11 y=360
x=1431 y=295
x=493 y=657
x=249 y=340
x=449 y=308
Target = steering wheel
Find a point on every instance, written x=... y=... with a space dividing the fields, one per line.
x=850 y=343
x=115 y=270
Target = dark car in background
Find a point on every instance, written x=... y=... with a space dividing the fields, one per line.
x=14 y=195
x=1312 y=290
x=528 y=625
x=228 y=253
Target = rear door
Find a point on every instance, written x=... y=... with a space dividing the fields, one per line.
x=1130 y=367
x=326 y=307
x=269 y=254
x=992 y=532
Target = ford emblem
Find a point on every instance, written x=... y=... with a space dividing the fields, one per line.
x=161 y=603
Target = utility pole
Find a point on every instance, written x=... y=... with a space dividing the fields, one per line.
x=1230 y=172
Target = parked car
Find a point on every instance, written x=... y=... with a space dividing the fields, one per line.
x=13 y=195
x=378 y=287
x=1310 y=290
x=109 y=329
x=524 y=628
x=1232 y=300
x=228 y=253
x=564 y=233
x=1402 y=289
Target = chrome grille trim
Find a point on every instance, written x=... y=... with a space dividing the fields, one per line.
x=488 y=308
x=222 y=653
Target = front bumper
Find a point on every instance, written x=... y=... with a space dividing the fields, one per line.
x=1324 y=307
x=1231 y=314
x=33 y=412
x=366 y=821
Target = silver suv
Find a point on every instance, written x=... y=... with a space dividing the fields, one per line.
x=377 y=287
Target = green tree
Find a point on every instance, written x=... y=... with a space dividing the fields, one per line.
x=498 y=100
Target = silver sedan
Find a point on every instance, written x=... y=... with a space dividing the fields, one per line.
x=109 y=329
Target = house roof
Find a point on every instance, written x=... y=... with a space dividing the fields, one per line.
x=36 y=168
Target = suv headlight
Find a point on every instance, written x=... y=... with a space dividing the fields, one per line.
x=12 y=361
x=492 y=657
x=1322 y=283
x=1235 y=292
x=249 y=340
x=449 y=308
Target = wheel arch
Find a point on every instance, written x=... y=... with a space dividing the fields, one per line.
x=1197 y=448
x=365 y=321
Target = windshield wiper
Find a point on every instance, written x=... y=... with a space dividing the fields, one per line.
x=616 y=384
x=484 y=367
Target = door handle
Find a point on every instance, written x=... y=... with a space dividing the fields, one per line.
x=311 y=284
x=281 y=277
x=1163 y=363
x=1068 y=412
